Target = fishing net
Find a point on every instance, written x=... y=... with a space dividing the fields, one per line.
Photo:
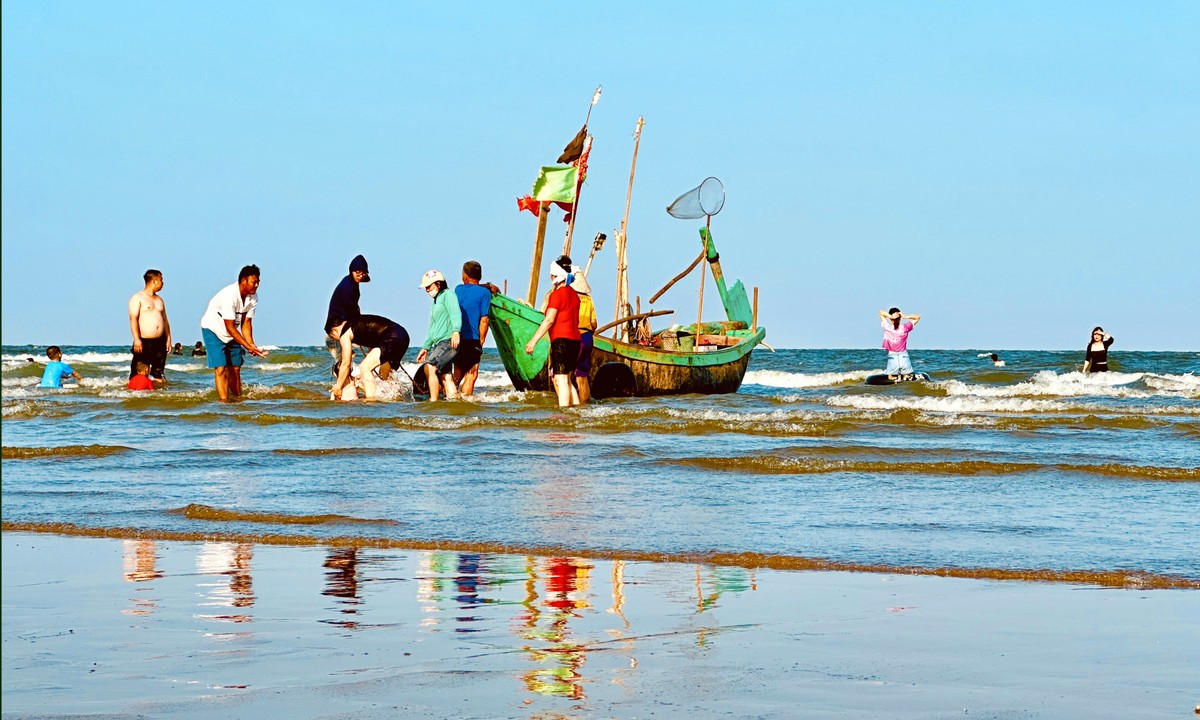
x=706 y=199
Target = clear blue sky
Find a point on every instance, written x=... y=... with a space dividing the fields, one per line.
x=1016 y=172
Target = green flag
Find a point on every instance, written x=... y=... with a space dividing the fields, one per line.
x=556 y=184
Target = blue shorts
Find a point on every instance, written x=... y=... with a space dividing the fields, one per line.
x=899 y=364
x=221 y=353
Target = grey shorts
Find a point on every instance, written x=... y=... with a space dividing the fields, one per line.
x=441 y=356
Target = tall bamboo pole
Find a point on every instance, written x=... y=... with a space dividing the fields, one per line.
x=700 y=303
x=622 y=240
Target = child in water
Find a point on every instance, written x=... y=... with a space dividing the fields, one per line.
x=56 y=371
x=141 y=381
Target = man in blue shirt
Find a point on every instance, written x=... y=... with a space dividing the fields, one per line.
x=56 y=370
x=475 y=302
x=343 y=306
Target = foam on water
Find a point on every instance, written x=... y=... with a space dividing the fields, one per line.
x=277 y=367
x=778 y=378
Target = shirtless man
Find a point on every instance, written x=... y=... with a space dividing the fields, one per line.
x=150 y=328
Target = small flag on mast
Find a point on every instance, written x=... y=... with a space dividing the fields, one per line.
x=556 y=184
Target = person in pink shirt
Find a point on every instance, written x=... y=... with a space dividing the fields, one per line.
x=895 y=340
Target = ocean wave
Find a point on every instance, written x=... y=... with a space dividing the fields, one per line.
x=954 y=404
x=493 y=379
x=206 y=512
x=779 y=378
x=1072 y=384
x=1188 y=384
x=63 y=451
x=775 y=465
x=280 y=366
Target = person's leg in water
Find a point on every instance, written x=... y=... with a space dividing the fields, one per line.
x=221 y=381
x=235 y=381
x=366 y=370
x=451 y=388
x=431 y=374
x=565 y=390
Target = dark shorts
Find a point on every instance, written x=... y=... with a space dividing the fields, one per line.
x=468 y=355
x=564 y=356
x=583 y=368
x=154 y=353
x=441 y=356
x=393 y=347
x=221 y=353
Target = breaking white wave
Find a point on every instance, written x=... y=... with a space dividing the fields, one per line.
x=94 y=358
x=779 y=378
x=1188 y=384
x=987 y=404
x=493 y=379
x=1075 y=384
x=276 y=367
x=953 y=404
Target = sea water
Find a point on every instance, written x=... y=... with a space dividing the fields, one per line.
x=1031 y=470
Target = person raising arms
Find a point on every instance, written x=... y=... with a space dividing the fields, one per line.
x=895 y=340
x=1096 y=357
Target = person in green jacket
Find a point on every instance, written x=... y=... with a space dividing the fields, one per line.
x=441 y=342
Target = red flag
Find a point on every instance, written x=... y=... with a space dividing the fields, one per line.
x=535 y=207
x=528 y=203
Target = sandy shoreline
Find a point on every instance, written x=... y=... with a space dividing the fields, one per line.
x=126 y=628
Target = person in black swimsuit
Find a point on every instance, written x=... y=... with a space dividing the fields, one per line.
x=385 y=342
x=1096 y=359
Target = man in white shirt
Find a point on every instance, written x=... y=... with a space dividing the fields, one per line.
x=228 y=329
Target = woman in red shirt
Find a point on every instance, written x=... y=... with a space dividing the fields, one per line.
x=562 y=323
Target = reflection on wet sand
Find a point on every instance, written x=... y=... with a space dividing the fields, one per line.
x=557 y=658
x=233 y=562
x=341 y=582
x=140 y=563
x=459 y=592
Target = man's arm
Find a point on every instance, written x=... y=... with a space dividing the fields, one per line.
x=245 y=336
x=483 y=328
x=167 y=328
x=135 y=311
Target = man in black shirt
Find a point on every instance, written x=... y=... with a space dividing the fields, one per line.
x=343 y=306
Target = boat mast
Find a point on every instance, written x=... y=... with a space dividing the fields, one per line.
x=622 y=256
x=700 y=302
x=587 y=147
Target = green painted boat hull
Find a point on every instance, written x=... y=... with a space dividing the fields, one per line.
x=655 y=371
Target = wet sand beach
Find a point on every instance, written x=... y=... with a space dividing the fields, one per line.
x=97 y=627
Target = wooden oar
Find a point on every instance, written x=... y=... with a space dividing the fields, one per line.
x=627 y=318
x=680 y=276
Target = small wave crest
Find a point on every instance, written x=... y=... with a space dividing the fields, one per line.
x=1072 y=384
x=779 y=378
x=776 y=465
x=63 y=451
x=207 y=512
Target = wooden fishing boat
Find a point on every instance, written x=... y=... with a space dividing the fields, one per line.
x=674 y=361
x=704 y=357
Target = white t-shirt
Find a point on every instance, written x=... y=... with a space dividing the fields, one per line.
x=228 y=304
